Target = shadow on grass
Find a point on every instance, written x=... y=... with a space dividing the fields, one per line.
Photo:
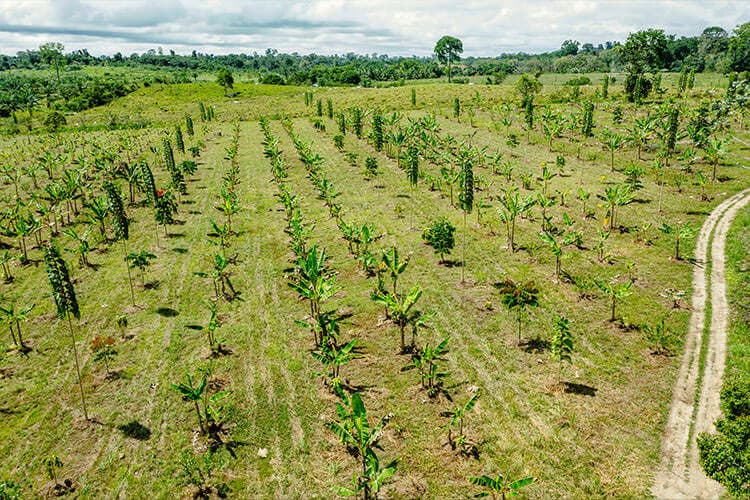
x=135 y=430
x=536 y=345
x=167 y=312
x=581 y=389
x=451 y=263
x=180 y=250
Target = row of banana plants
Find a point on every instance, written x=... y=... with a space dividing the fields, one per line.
x=400 y=307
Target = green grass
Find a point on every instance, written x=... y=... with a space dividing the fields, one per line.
x=606 y=444
x=738 y=286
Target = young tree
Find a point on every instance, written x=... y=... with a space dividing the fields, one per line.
x=225 y=79
x=440 y=236
x=466 y=196
x=527 y=86
x=518 y=297
x=141 y=260
x=103 y=349
x=65 y=300
x=448 y=50
x=52 y=53
x=120 y=223
x=561 y=346
x=51 y=463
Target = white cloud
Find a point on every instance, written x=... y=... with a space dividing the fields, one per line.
x=394 y=27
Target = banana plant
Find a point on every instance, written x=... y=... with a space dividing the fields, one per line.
x=457 y=415
x=194 y=393
x=13 y=317
x=498 y=486
x=394 y=265
x=513 y=207
x=82 y=248
x=97 y=213
x=426 y=361
x=229 y=206
x=682 y=233
x=333 y=356
x=402 y=310
x=5 y=258
x=615 y=291
x=518 y=297
x=354 y=431
x=315 y=283
x=616 y=196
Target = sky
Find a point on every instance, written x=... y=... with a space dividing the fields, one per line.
x=394 y=27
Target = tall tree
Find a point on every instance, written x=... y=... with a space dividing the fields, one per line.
x=65 y=299
x=52 y=53
x=448 y=50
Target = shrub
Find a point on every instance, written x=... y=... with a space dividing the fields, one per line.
x=440 y=236
x=580 y=80
x=273 y=79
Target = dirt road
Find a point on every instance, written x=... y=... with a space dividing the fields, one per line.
x=694 y=409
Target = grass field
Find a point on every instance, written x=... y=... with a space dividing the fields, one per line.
x=596 y=435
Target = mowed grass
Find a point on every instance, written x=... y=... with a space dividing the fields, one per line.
x=603 y=440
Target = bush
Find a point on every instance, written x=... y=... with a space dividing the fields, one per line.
x=273 y=79
x=440 y=236
x=55 y=121
x=581 y=80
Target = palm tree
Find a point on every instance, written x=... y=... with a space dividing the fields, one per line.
x=518 y=297
x=499 y=486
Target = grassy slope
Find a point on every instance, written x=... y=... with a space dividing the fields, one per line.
x=607 y=444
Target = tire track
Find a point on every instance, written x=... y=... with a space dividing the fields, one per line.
x=680 y=474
